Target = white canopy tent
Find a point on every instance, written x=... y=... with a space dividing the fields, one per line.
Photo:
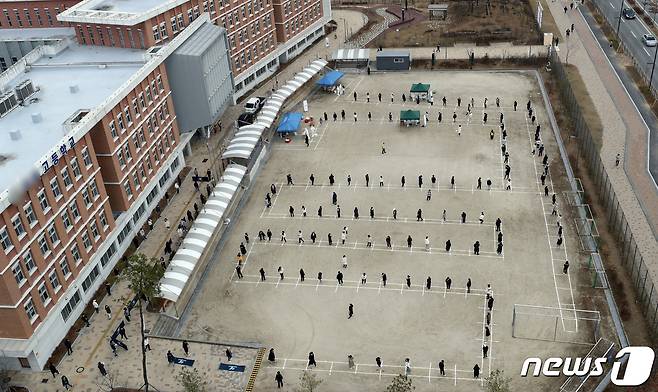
x=196 y=241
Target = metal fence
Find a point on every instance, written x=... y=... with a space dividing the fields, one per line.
x=647 y=294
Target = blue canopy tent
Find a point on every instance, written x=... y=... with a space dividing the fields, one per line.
x=290 y=122
x=330 y=79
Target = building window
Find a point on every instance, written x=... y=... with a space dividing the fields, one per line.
x=54 y=186
x=94 y=231
x=136 y=180
x=29 y=214
x=94 y=189
x=190 y=16
x=64 y=265
x=30 y=310
x=54 y=281
x=174 y=26
x=156 y=34
x=141 y=101
x=85 y=198
x=76 y=168
x=160 y=84
x=135 y=107
x=75 y=251
x=126 y=150
x=113 y=130
x=103 y=220
x=43 y=294
x=122 y=162
x=86 y=158
x=212 y=7
x=120 y=122
x=181 y=22
x=89 y=280
x=142 y=138
x=68 y=309
x=126 y=187
x=43 y=245
x=66 y=178
x=136 y=142
x=129 y=118
x=148 y=95
x=163 y=30
x=18 y=226
x=86 y=242
x=18 y=274
x=28 y=260
x=75 y=212
x=43 y=201
x=5 y=240
x=66 y=221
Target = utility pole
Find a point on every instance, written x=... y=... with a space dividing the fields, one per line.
x=653 y=66
x=621 y=9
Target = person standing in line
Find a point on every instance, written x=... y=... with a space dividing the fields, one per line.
x=186 y=347
x=95 y=305
x=403 y=181
x=485 y=350
x=429 y=194
x=443 y=215
x=427 y=243
x=448 y=246
x=279 y=379
x=381 y=181
x=498 y=223
x=69 y=346
x=420 y=181
x=350 y=361
x=419 y=215
x=479 y=186
x=395 y=213
x=565 y=267
x=302 y=274
x=367 y=177
x=408 y=281
x=442 y=369
x=101 y=368
x=481 y=219
x=66 y=383
x=388 y=241
x=344 y=261
x=300 y=238
x=372 y=212
x=339 y=278
x=311 y=360
x=338 y=211
x=428 y=283
x=384 y=278
x=364 y=278
x=262 y=274
x=53 y=369
x=476 y=248
x=350 y=311
x=468 y=286
x=409 y=241
x=283 y=236
x=463 y=216
x=280 y=271
x=476 y=371
x=383 y=143
x=378 y=361
x=448 y=283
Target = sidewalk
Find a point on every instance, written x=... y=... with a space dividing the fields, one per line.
x=625 y=135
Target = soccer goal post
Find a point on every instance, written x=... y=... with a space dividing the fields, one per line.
x=556 y=324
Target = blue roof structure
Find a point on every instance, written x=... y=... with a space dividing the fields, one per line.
x=290 y=122
x=330 y=79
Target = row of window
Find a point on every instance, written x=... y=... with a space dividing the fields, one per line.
x=124 y=118
x=50 y=239
x=103 y=32
x=18 y=17
x=243 y=13
x=250 y=31
x=134 y=180
x=63 y=180
x=297 y=23
x=250 y=55
x=294 y=5
x=87 y=283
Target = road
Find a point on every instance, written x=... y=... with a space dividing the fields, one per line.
x=630 y=33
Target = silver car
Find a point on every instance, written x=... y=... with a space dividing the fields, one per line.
x=649 y=40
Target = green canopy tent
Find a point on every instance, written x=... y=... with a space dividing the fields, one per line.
x=410 y=117
x=420 y=91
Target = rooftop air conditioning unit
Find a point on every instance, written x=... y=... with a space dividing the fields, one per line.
x=25 y=90
x=8 y=102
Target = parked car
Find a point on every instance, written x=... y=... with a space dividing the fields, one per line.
x=628 y=13
x=246 y=119
x=649 y=40
x=254 y=105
